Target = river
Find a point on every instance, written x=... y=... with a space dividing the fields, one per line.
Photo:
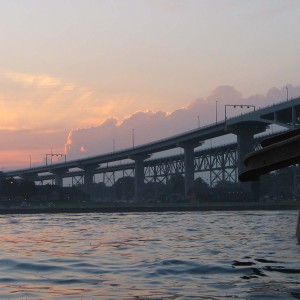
x=135 y=256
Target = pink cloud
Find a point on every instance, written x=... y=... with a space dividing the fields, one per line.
x=149 y=126
x=18 y=146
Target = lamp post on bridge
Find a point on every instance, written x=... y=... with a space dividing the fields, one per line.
x=287 y=93
x=216 y=111
x=237 y=105
x=55 y=155
x=132 y=137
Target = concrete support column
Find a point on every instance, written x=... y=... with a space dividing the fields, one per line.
x=139 y=175
x=245 y=139
x=58 y=180
x=245 y=145
x=58 y=176
x=139 y=178
x=88 y=178
x=223 y=170
x=189 y=169
x=189 y=166
x=29 y=177
x=294 y=117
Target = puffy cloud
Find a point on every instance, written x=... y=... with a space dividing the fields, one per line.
x=225 y=94
x=149 y=126
x=40 y=112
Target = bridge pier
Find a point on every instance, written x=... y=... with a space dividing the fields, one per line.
x=245 y=140
x=29 y=177
x=189 y=167
x=245 y=145
x=58 y=179
x=59 y=175
x=88 y=178
x=245 y=127
x=139 y=175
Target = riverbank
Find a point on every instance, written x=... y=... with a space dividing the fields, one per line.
x=180 y=207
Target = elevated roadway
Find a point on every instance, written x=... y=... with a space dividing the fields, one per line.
x=245 y=126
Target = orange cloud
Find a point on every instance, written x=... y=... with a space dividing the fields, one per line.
x=15 y=159
x=16 y=146
x=149 y=125
x=35 y=119
x=42 y=101
x=39 y=81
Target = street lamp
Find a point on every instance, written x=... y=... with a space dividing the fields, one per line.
x=51 y=155
x=216 y=111
x=198 y=122
x=287 y=93
x=237 y=105
x=132 y=137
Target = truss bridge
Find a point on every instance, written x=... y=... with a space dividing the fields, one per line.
x=219 y=163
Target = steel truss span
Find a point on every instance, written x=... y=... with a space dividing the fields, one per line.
x=220 y=163
x=217 y=163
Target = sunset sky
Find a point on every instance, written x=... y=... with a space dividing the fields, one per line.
x=76 y=74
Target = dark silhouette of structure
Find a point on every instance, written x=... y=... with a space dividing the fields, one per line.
x=245 y=127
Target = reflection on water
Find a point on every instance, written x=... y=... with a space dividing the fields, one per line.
x=201 y=255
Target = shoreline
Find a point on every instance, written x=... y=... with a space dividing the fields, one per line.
x=156 y=208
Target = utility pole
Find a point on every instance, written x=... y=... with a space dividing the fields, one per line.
x=132 y=137
x=216 y=111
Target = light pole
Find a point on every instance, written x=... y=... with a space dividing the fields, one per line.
x=132 y=137
x=216 y=111
x=198 y=122
x=54 y=155
x=114 y=145
x=287 y=93
x=237 y=105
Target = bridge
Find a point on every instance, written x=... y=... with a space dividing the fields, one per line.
x=223 y=162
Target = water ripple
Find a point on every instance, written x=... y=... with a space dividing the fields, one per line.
x=203 y=255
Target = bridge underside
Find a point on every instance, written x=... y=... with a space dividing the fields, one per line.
x=213 y=165
x=288 y=117
x=277 y=152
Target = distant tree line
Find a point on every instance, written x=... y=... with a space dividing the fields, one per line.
x=278 y=185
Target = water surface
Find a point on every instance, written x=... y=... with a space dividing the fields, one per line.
x=198 y=255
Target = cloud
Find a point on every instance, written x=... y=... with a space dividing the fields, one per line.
x=150 y=126
x=17 y=147
x=74 y=119
x=43 y=101
x=37 y=80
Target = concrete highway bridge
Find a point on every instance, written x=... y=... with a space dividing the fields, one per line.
x=222 y=162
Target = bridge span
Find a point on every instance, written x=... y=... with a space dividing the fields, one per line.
x=245 y=127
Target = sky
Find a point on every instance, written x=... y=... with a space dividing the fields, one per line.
x=79 y=76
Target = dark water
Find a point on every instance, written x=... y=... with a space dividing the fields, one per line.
x=201 y=255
